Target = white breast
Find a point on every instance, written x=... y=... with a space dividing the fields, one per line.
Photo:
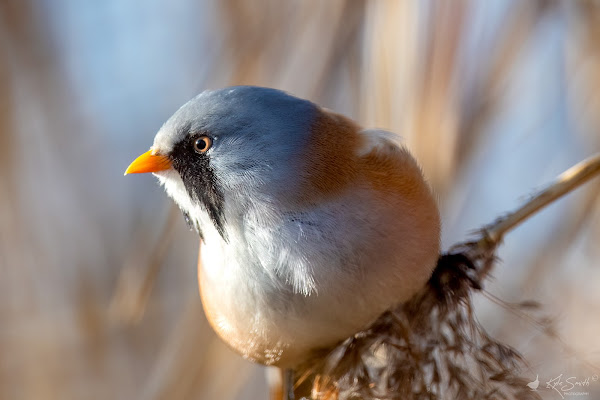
x=293 y=282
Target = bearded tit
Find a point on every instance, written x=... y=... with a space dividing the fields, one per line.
x=310 y=226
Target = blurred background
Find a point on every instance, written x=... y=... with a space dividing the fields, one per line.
x=98 y=290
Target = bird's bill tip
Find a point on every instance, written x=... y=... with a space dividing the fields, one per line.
x=148 y=162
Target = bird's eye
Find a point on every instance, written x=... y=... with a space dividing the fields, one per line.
x=202 y=144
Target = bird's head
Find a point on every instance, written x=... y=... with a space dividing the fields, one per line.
x=227 y=148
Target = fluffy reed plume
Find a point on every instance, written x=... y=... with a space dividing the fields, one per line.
x=432 y=347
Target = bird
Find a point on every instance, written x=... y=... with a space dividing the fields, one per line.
x=310 y=226
x=534 y=385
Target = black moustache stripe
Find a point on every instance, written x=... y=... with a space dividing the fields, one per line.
x=200 y=182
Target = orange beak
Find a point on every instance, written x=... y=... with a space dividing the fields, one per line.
x=148 y=162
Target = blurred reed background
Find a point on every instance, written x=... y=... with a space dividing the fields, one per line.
x=98 y=292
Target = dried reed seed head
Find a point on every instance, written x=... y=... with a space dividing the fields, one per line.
x=428 y=348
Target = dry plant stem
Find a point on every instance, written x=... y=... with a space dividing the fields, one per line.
x=288 y=384
x=134 y=289
x=492 y=234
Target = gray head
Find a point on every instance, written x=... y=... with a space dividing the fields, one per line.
x=233 y=145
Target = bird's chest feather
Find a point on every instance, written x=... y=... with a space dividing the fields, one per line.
x=264 y=288
x=284 y=284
